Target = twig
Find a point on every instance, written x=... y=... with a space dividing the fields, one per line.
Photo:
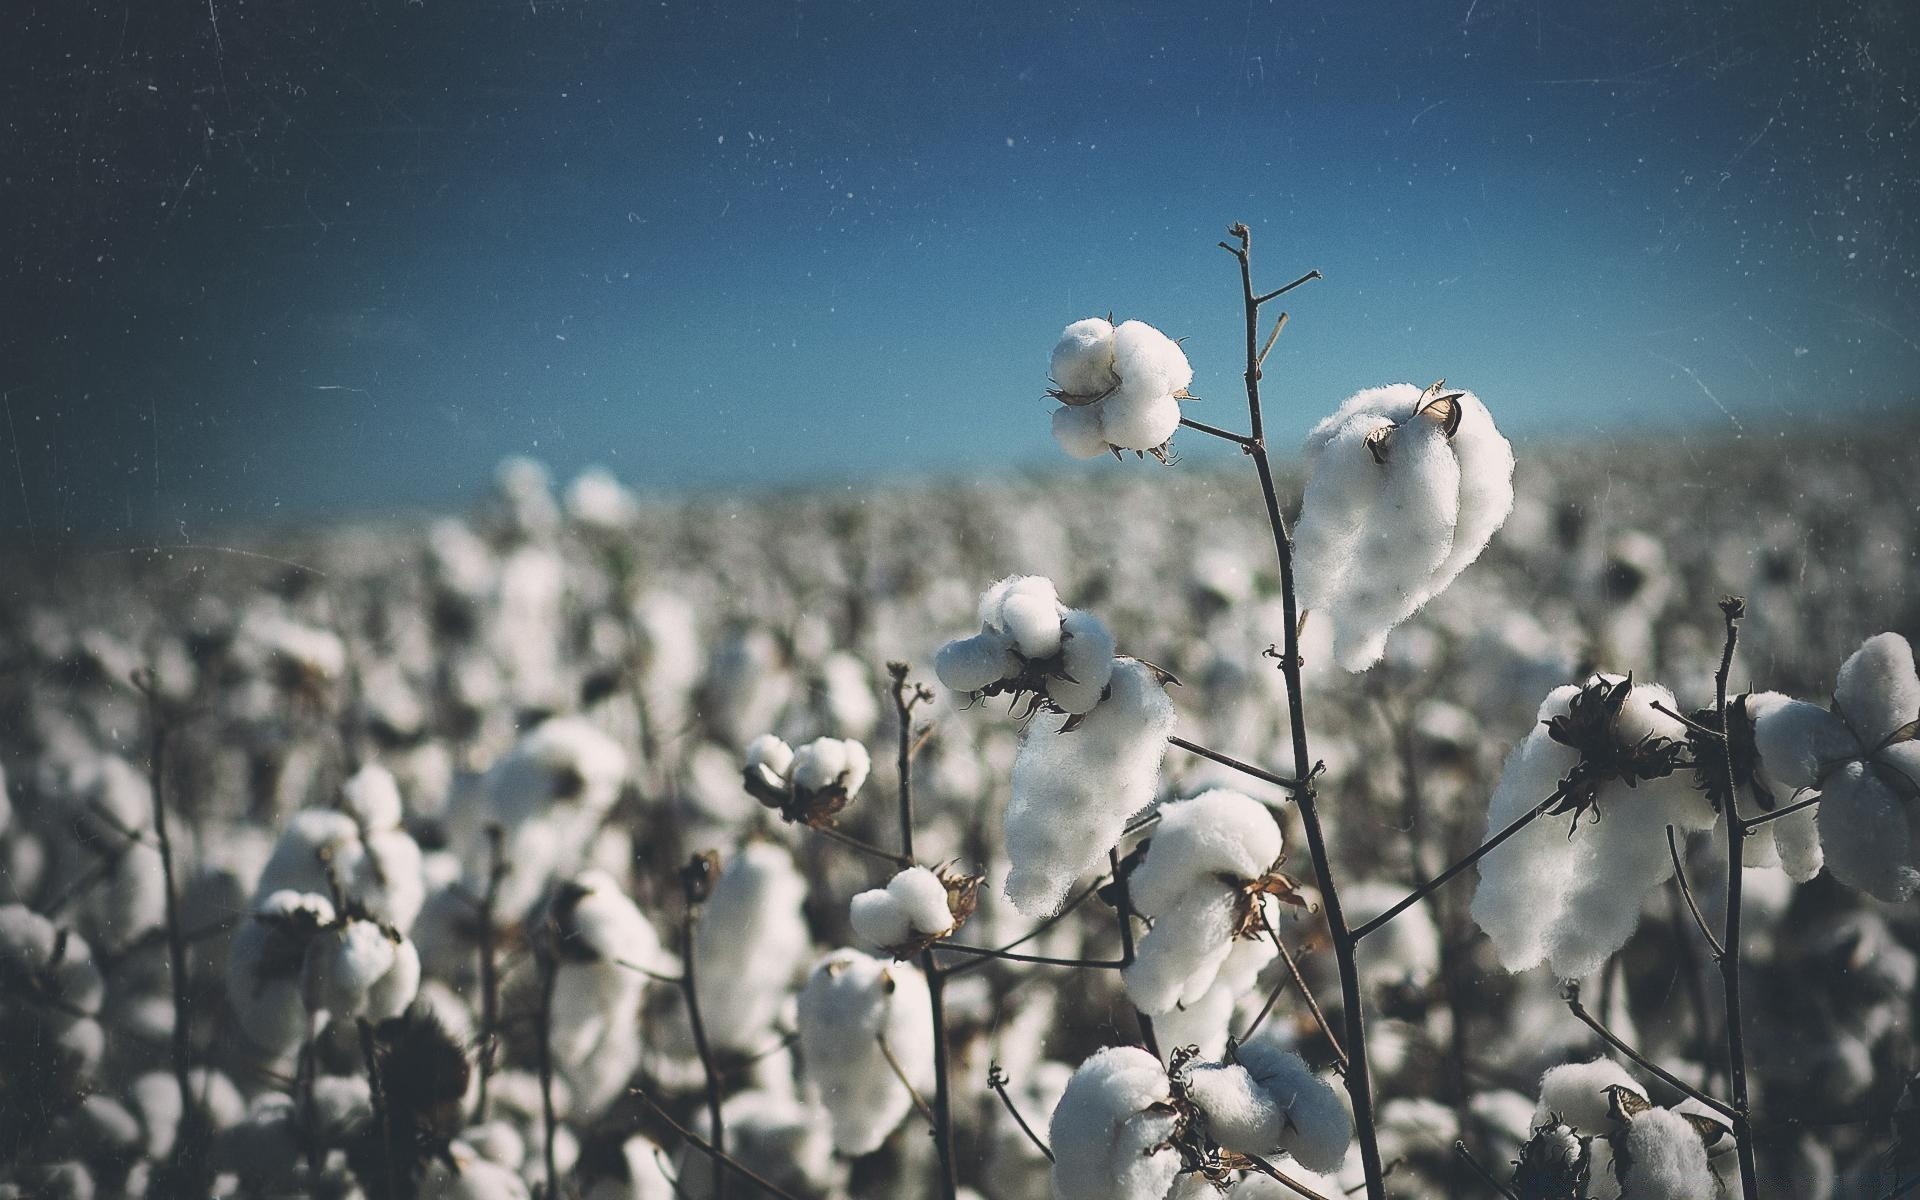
x=1466 y=1156
x=1443 y=878
x=549 y=975
x=997 y=1080
x=1299 y=981
x=1001 y=952
x=983 y=952
x=867 y=848
x=1680 y=877
x=1732 y=608
x=1123 y=910
x=696 y=879
x=719 y=1156
x=1777 y=813
x=899 y=1072
x=1274 y=1173
x=1358 y=1080
x=1271 y=339
x=1238 y=439
x=1586 y=1018
x=1247 y=769
x=906 y=696
x=489 y=972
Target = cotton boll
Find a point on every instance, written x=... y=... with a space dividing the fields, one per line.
x=1218 y=832
x=1240 y=1115
x=1205 y=1022
x=1110 y=1132
x=1867 y=834
x=878 y=920
x=1486 y=488
x=1083 y=359
x=1029 y=611
x=749 y=945
x=969 y=664
x=831 y=762
x=1878 y=690
x=1576 y=1093
x=770 y=758
x=267 y=967
x=1149 y=362
x=913 y=904
x=1178 y=959
x=1317 y=1127
x=1087 y=662
x=1138 y=420
x=1078 y=432
x=1073 y=792
x=849 y=1004
x=779 y=1136
x=1663 y=1158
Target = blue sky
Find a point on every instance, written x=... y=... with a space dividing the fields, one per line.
x=340 y=258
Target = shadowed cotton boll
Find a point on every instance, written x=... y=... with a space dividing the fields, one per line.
x=1029 y=641
x=850 y=1004
x=603 y=945
x=1073 y=791
x=358 y=968
x=1192 y=884
x=1576 y=1093
x=1572 y=901
x=780 y=1136
x=912 y=906
x=1663 y=1158
x=360 y=846
x=1271 y=1102
x=1406 y=488
x=1111 y=1131
x=1120 y=387
x=1863 y=759
x=749 y=945
x=58 y=965
x=266 y=968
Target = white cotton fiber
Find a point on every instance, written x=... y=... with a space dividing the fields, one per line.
x=1663 y=1158
x=1867 y=833
x=1203 y=852
x=1573 y=901
x=750 y=944
x=878 y=920
x=1240 y=1115
x=770 y=758
x=1073 y=792
x=911 y=906
x=1576 y=1093
x=1877 y=690
x=1120 y=388
x=827 y=762
x=969 y=664
x=849 y=1004
x=1205 y=1022
x=1086 y=662
x=1029 y=612
x=1111 y=1131
x=1315 y=1124
x=1394 y=510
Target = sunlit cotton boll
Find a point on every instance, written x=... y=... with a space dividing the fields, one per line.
x=1027 y=635
x=749 y=945
x=1863 y=759
x=360 y=969
x=359 y=846
x=1406 y=489
x=850 y=1004
x=1793 y=729
x=1205 y=851
x=1073 y=792
x=1572 y=901
x=768 y=760
x=602 y=946
x=913 y=905
x=1271 y=1102
x=267 y=967
x=1121 y=387
x=1111 y=1131
x=831 y=762
x=1663 y=1158
x=1576 y=1093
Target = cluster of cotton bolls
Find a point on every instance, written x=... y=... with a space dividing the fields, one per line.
x=1119 y=388
x=402 y=763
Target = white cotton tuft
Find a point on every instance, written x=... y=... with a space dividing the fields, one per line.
x=1240 y=1115
x=1137 y=421
x=923 y=898
x=1120 y=388
x=850 y=1004
x=1083 y=358
x=878 y=920
x=1029 y=612
x=771 y=758
x=1149 y=362
x=829 y=762
x=1086 y=662
x=1078 y=432
x=1394 y=510
x=750 y=944
x=969 y=664
x=1877 y=690
x=1576 y=1093
x=1112 y=1129
x=1866 y=832
x=267 y=965
x=1663 y=1158
x=1572 y=901
x=1204 y=851
x=1073 y=792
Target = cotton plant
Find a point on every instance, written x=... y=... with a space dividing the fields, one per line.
x=1119 y=388
x=866 y=1039
x=601 y=951
x=1113 y=1131
x=1861 y=757
x=1607 y=754
x=298 y=960
x=750 y=945
x=1031 y=645
x=1596 y=1134
x=810 y=785
x=917 y=908
x=1077 y=781
x=1210 y=878
x=1406 y=487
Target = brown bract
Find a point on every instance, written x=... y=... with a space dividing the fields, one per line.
x=1591 y=726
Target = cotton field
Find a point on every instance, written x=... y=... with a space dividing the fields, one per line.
x=563 y=847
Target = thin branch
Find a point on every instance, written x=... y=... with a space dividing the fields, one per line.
x=1684 y=719
x=1227 y=435
x=1123 y=910
x=1271 y=339
x=1432 y=885
x=719 y=1156
x=1466 y=1156
x=997 y=1080
x=1248 y=769
x=1777 y=813
x=1278 y=1176
x=489 y=967
x=983 y=952
x=1358 y=1078
x=1586 y=1018
x=1693 y=906
x=549 y=975
x=377 y=1098
x=867 y=848
x=1299 y=981
x=1732 y=608
x=1091 y=890
x=694 y=881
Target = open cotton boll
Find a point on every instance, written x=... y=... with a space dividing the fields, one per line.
x=769 y=759
x=1401 y=499
x=1240 y=1115
x=1028 y=610
x=1218 y=832
x=831 y=762
x=1082 y=362
x=345 y=964
x=1576 y=1093
x=749 y=945
x=1139 y=420
x=1073 y=792
x=1206 y=1022
x=1663 y=1158
x=912 y=905
x=1179 y=958
x=1316 y=1126
x=849 y=1005
x=1087 y=663
x=267 y=965
x=878 y=919
x=599 y=938
x=1078 y=432
x=969 y=664
x=1111 y=1132
x=1573 y=901
x=1149 y=362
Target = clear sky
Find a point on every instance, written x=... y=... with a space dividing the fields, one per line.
x=308 y=257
